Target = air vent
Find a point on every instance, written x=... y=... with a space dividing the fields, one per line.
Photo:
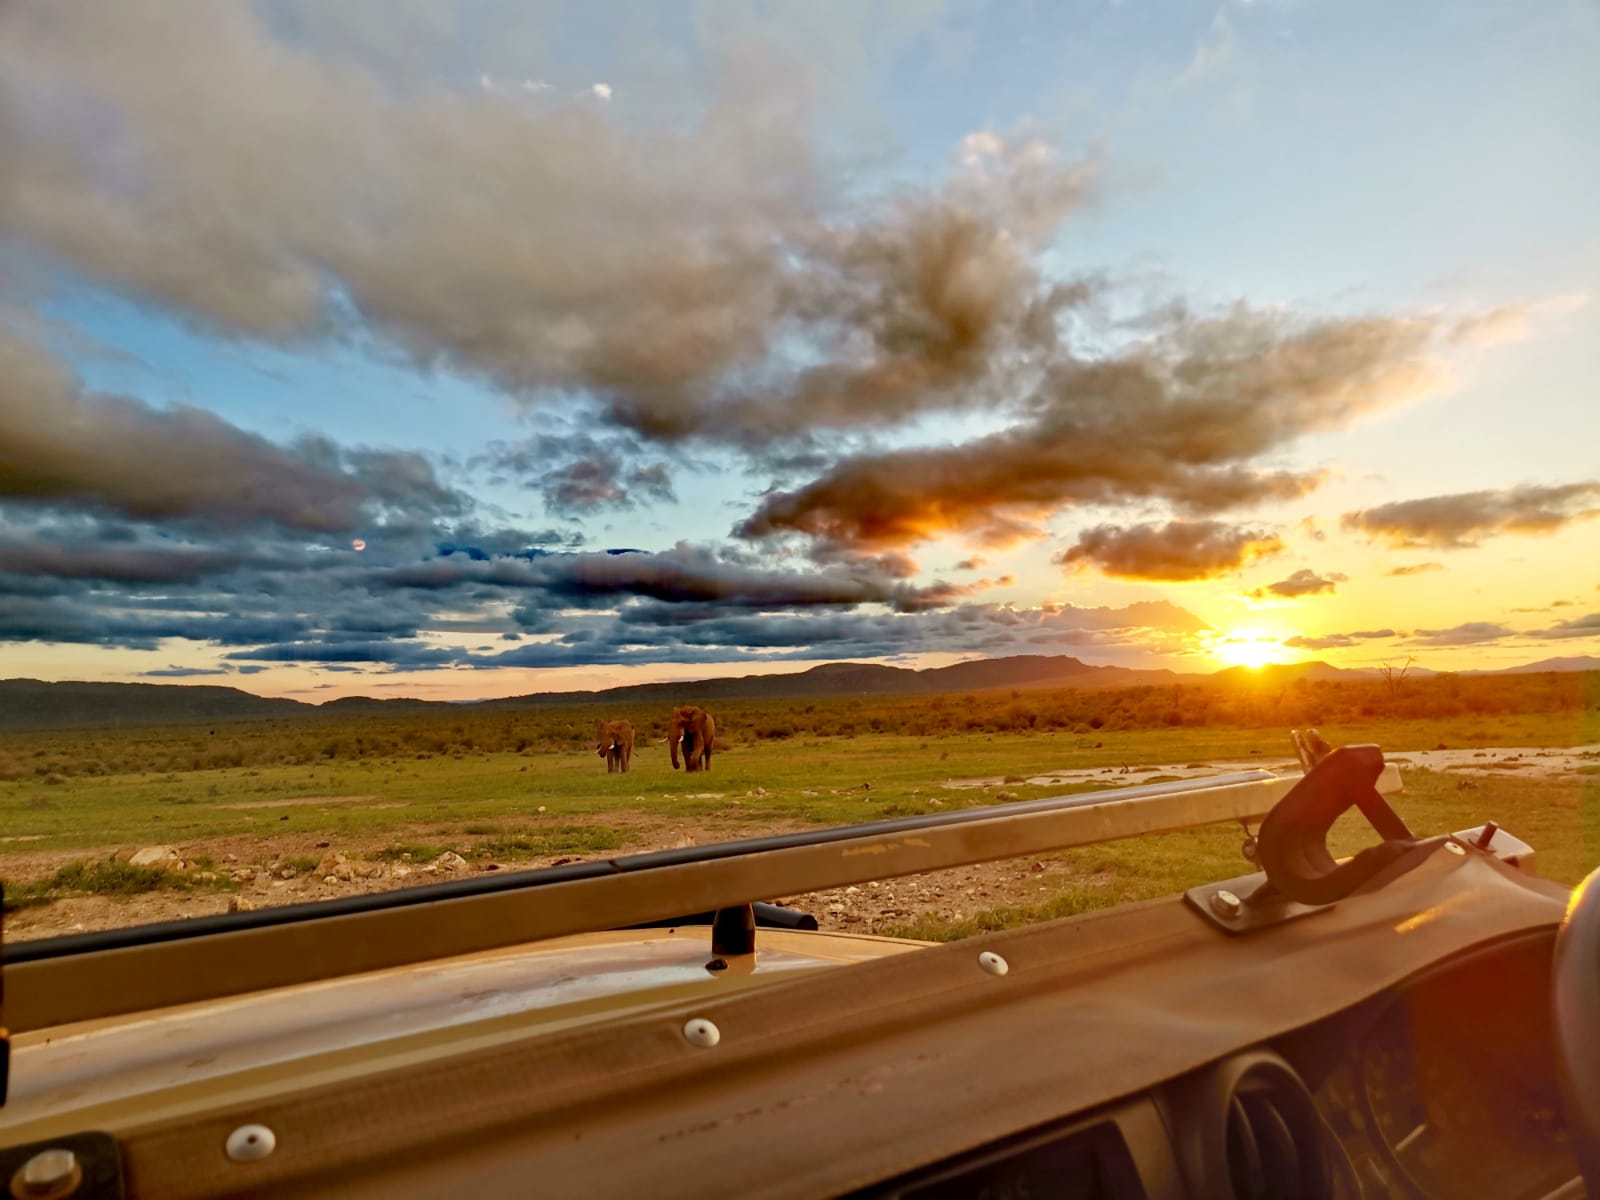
x=1249 y=1130
x=1276 y=1143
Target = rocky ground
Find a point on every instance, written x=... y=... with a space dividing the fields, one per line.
x=242 y=876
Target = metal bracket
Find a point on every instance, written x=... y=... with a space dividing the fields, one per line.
x=1245 y=903
x=89 y=1166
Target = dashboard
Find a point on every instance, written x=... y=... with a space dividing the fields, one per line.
x=1444 y=1088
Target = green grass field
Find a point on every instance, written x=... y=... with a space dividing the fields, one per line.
x=542 y=802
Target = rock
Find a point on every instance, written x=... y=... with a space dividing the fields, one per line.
x=400 y=872
x=448 y=861
x=166 y=857
x=852 y=891
x=541 y=808
x=286 y=873
x=207 y=876
x=330 y=879
x=230 y=858
x=1004 y=796
x=836 y=908
x=322 y=845
x=240 y=904
x=336 y=866
x=682 y=842
x=244 y=875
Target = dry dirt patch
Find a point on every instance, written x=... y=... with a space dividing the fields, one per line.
x=296 y=801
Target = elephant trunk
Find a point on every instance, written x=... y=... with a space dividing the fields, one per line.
x=672 y=745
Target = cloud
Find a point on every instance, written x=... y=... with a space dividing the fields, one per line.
x=1462 y=520
x=1331 y=641
x=1470 y=633
x=60 y=445
x=1181 y=416
x=578 y=473
x=1212 y=53
x=1304 y=582
x=1421 y=568
x=1578 y=627
x=658 y=633
x=1511 y=322
x=670 y=253
x=1177 y=551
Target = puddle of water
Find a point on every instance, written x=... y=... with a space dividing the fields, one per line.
x=1533 y=761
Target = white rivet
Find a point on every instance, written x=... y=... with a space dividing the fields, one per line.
x=251 y=1142
x=993 y=963
x=1454 y=848
x=701 y=1032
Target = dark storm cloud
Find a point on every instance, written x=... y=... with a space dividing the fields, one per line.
x=1304 y=582
x=62 y=446
x=1469 y=633
x=398 y=654
x=682 y=575
x=114 y=563
x=28 y=619
x=649 y=633
x=577 y=473
x=1462 y=520
x=1578 y=627
x=1181 y=417
x=1177 y=551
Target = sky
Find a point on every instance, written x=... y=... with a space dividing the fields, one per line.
x=469 y=348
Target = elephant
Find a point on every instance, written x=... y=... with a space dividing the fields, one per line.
x=694 y=729
x=615 y=745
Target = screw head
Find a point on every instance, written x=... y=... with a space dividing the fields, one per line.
x=251 y=1143
x=1225 y=904
x=701 y=1032
x=52 y=1174
x=993 y=963
x=1454 y=848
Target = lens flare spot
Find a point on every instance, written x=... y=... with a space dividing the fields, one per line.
x=358 y=544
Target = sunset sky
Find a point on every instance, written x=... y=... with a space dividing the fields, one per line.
x=409 y=347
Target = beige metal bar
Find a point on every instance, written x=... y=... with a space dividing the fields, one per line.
x=106 y=983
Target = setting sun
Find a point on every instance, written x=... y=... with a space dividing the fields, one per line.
x=1246 y=648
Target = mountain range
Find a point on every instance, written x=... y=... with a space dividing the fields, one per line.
x=33 y=704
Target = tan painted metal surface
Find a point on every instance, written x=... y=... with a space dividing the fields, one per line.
x=100 y=1074
x=836 y=1078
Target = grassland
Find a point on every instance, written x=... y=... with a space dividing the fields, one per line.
x=515 y=787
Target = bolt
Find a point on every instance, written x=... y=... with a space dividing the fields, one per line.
x=250 y=1143
x=1225 y=904
x=1454 y=847
x=993 y=963
x=50 y=1173
x=701 y=1032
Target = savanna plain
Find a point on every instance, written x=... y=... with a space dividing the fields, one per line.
x=104 y=827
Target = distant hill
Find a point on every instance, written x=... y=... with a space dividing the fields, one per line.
x=1583 y=662
x=34 y=704
x=868 y=679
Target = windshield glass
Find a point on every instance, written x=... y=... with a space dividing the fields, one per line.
x=439 y=439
